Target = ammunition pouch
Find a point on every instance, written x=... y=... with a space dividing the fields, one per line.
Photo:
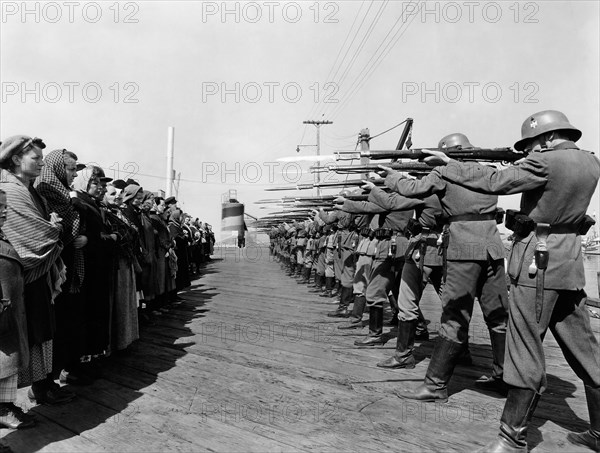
x=519 y=223
x=384 y=233
x=413 y=228
x=585 y=225
x=366 y=232
x=499 y=216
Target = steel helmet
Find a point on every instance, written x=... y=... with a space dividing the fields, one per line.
x=455 y=140
x=546 y=121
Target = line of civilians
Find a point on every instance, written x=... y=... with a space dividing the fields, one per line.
x=84 y=260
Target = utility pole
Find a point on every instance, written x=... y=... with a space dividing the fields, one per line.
x=170 y=155
x=318 y=124
x=363 y=138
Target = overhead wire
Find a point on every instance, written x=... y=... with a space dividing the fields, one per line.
x=316 y=106
x=374 y=62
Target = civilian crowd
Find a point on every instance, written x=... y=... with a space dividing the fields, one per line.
x=84 y=261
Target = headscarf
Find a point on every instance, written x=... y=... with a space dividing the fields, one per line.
x=130 y=192
x=175 y=223
x=83 y=178
x=52 y=185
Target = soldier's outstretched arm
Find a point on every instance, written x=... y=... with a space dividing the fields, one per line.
x=392 y=201
x=529 y=174
x=415 y=188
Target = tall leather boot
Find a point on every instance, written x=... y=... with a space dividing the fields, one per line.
x=439 y=372
x=405 y=343
x=345 y=299
x=495 y=383
x=422 y=333
x=292 y=270
x=518 y=410
x=590 y=438
x=357 y=314
x=375 y=336
x=464 y=358
x=305 y=276
x=337 y=288
x=328 y=287
x=318 y=284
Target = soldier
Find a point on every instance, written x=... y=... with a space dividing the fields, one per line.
x=388 y=261
x=545 y=267
x=344 y=261
x=474 y=262
x=364 y=247
x=422 y=263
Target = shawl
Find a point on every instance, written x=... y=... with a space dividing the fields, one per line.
x=52 y=185
x=175 y=224
x=34 y=238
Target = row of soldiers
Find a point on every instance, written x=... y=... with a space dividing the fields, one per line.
x=441 y=228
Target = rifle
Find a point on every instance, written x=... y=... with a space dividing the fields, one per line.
x=350 y=182
x=413 y=166
x=459 y=153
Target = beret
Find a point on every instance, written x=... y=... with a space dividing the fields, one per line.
x=16 y=144
x=119 y=184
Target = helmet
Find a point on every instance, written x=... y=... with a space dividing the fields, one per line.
x=455 y=140
x=546 y=121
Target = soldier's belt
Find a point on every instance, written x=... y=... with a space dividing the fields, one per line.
x=522 y=225
x=472 y=217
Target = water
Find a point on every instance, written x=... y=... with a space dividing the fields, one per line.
x=591 y=263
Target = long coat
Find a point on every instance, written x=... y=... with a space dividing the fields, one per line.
x=14 y=348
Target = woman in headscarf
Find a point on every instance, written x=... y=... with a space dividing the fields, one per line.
x=88 y=187
x=124 y=314
x=14 y=350
x=34 y=232
x=149 y=267
x=163 y=244
x=56 y=177
x=177 y=233
x=133 y=195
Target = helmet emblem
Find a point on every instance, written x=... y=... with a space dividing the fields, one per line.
x=533 y=123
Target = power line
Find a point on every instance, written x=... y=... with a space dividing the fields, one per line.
x=375 y=60
x=333 y=66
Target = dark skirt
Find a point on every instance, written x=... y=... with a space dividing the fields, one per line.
x=41 y=323
x=183 y=267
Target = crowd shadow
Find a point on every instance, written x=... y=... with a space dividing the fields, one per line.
x=110 y=404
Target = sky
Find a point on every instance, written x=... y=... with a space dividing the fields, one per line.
x=237 y=79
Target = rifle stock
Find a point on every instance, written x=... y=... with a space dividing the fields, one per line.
x=468 y=154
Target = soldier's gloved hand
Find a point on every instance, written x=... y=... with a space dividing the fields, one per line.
x=437 y=158
x=339 y=200
x=368 y=185
x=387 y=170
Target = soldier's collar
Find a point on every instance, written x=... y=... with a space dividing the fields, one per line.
x=568 y=144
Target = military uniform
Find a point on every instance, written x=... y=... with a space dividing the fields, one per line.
x=474 y=260
x=548 y=180
x=344 y=259
x=546 y=269
x=387 y=263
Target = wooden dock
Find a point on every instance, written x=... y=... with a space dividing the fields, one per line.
x=250 y=362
